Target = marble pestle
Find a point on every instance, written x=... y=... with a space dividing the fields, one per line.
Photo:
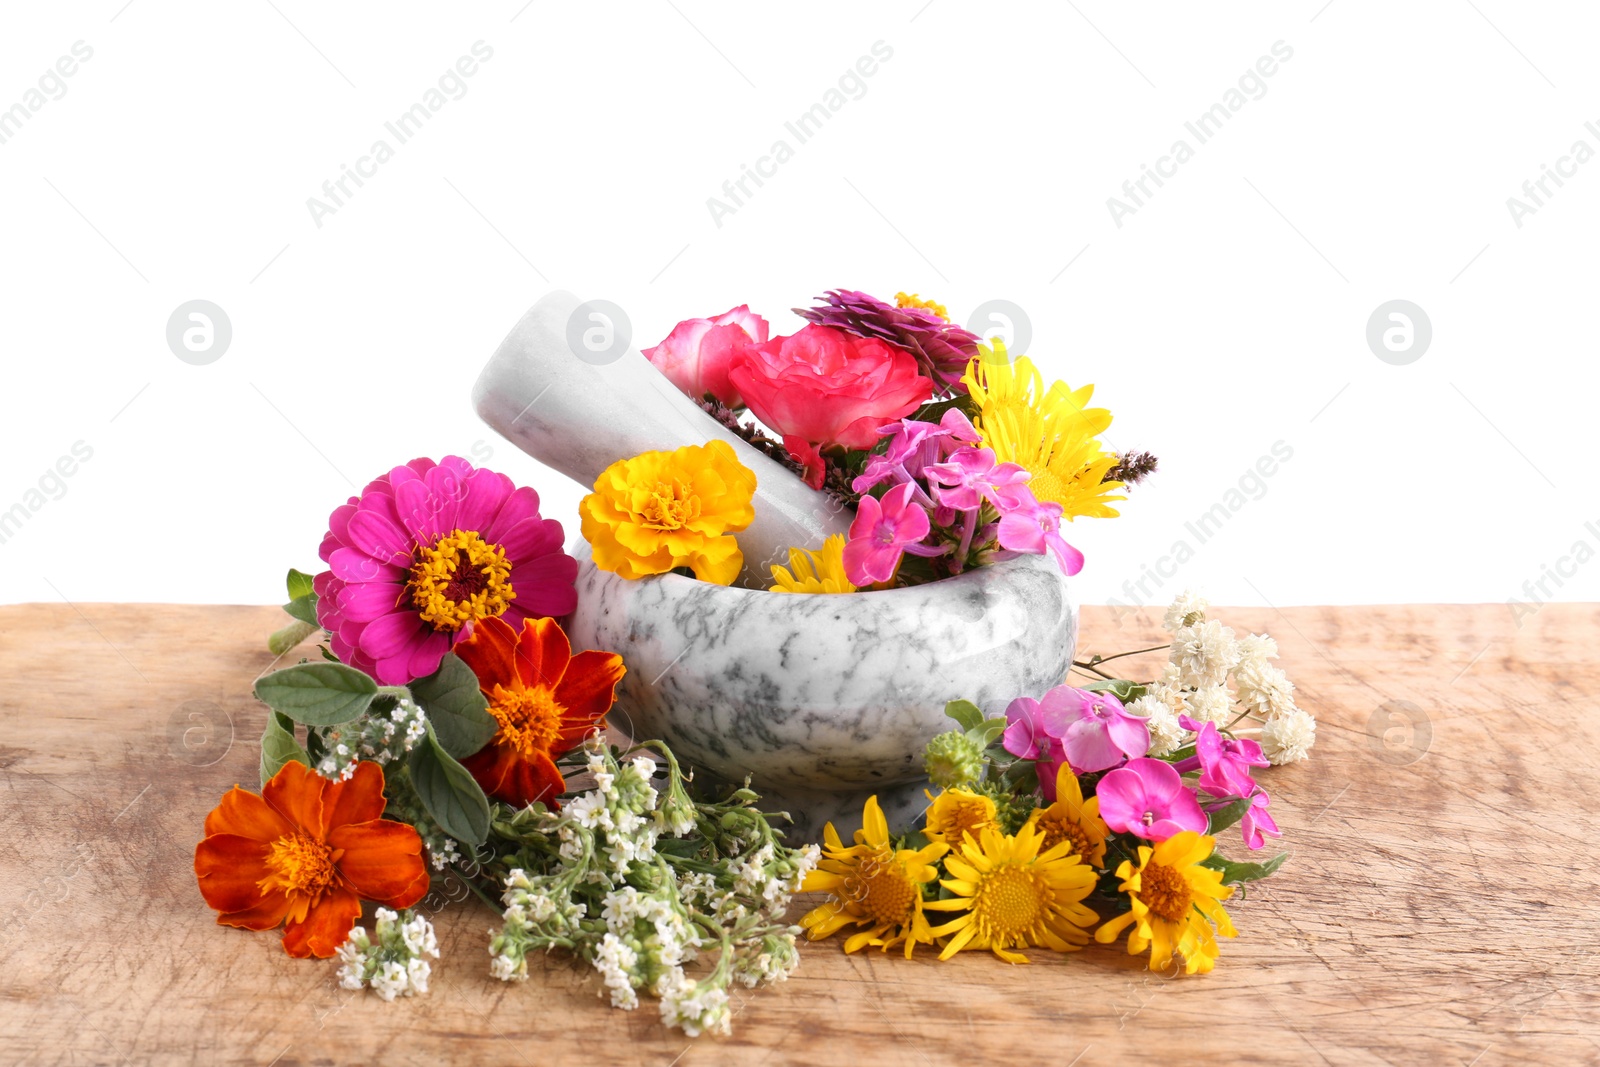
x=579 y=417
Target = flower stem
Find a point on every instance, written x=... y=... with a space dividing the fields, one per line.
x=967 y=531
x=290 y=636
x=1134 y=652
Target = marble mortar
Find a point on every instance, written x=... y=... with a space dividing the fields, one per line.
x=823 y=700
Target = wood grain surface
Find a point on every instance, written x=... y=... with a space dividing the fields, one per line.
x=1441 y=905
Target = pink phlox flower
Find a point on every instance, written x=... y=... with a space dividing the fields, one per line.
x=1147 y=798
x=1032 y=527
x=882 y=532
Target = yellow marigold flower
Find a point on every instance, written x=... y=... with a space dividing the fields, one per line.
x=1073 y=820
x=957 y=815
x=1054 y=434
x=814 y=572
x=661 y=510
x=912 y=300
x=1174 y=904
x=872 y=886
x=1014 y=895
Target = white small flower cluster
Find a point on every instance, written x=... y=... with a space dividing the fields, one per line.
x=603 y=891
x=396 y=963
x=380 y=738
x=698 y=1007
x=1205 y=655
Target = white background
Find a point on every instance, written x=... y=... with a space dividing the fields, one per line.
x=1227 y=314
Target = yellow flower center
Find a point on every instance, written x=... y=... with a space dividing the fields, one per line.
x=885 y=893
x=912 y=300
x=671 y=506
x=962 y=819
x=461 y=579
x=1057 y=828
x=300 y=864
x=530 y=719
x=1165 y=892
x=1010 y=902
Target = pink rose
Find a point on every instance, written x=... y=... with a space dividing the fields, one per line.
x=828 y=387
x=696 y=354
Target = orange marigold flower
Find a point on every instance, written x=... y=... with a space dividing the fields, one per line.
x=306 y=852
x=545 y=699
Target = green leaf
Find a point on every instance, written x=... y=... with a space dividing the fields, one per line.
x=317 y=694
x=302 y=603
x=1121 y=688
x=299 y=584
x=304 y=609
x=966 y=713
x=987 y=731
x=456 y=707
x=1223 y=818
x=278 y=746
x=449 y=792
x=1239 y=873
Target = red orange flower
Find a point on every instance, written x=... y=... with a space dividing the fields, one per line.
x=306 y=852
x=545 y=699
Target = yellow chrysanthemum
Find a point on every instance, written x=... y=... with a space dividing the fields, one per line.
x=957 y=815
x=1073 y=820
x=1054 y=434
x=1013 y=895
x=912 y=300
x=661 y=510
x=872 y=886
x=814 y=572
x=1175 y=903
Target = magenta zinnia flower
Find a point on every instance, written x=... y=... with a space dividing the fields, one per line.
x=881 y=533
x=425 y=551
x=1147 y=798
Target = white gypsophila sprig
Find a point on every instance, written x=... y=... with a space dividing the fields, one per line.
x=1288 y=737
x=1166 y=733
x=380 y=737
x=1187 y=608
x=591 y=880
x=393 y=962
x=1204 y=654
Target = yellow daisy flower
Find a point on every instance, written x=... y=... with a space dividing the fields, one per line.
x=1174 y=904
x=872 y=886
x=1054 y=434
x=814 y=572
x=1013 y=895
x=1073 y=820
x=957 y=815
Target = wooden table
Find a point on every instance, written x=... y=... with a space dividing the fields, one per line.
x=1440 y=905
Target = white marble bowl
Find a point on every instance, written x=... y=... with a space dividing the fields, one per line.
x=823 y=700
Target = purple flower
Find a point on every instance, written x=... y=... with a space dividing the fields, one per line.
x=1032 y=527
x=881 y=533
x=942 y=348
x=971 y=476
x=1224 y=762
x=1147 y=798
